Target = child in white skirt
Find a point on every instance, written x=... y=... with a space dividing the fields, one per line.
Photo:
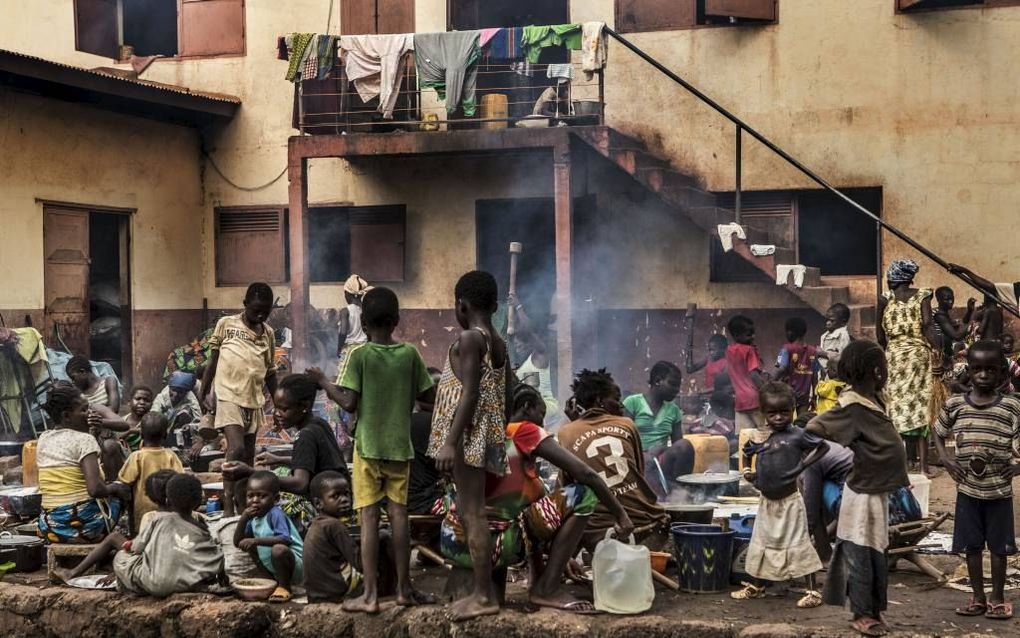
x=780 y=548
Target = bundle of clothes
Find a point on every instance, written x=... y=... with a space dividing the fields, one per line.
x=446 y=61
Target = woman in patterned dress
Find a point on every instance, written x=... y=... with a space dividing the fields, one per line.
x=904 y=330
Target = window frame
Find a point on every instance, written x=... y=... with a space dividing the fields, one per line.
x=284 y=241
x=180 y=33
x=698 y=10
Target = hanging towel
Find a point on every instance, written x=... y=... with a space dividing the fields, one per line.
x=505 y=45
x=373 y=64
x=562 y=72
x=281 y=48
x=298 y=53
x=447 y=63
x=310 y=68
x=536 y=38
x=726 y=232
x=594 y=48
x=763 y=250
x=327 y=56
x=487 y=34
x=783 y=274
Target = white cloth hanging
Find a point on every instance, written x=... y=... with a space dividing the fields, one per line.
x=783 y=274
x=373 y=64
x=726 y=233
x=594 y=48
x=763 y=250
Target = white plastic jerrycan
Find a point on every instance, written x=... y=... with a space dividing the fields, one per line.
x=623 y=576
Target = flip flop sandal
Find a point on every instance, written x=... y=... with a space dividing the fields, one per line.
x=581 y=608
x=749 y=592
x=973 y=608
x=810 y=600
x=280 y=595
x=869 y=627
x=1003 y=611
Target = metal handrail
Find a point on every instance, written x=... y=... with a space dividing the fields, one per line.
x=742 y=126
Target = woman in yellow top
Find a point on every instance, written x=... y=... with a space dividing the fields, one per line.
x=78 y=506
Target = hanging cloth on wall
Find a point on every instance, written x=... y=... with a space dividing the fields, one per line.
x=447 y=62
x=298 y=52
x=536 y=38
x=505 y=45
x=373 y=64
x=327 y=56
x=310 y=67
x=594 y=48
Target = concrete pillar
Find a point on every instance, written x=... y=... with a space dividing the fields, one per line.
x=563 y=200
x=300 y=305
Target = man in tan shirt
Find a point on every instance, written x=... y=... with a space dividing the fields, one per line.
x=242 y=362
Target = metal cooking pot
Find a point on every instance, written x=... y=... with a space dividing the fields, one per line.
x=11 y=448
x=701 y=488
x=201 y=464
x=23 y=502
x=27 y=552
x=690 y=513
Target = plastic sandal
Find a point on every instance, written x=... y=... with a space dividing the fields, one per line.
x=280 y=595
x=1002 y=611
x=749 y=592
x=869 y=627
x=973 y=608
x=810 y=600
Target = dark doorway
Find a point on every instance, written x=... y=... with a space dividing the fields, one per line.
x=532 y=223
x=835 y=237
x=108 y=292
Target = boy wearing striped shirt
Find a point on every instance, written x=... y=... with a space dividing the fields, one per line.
x=986 y=427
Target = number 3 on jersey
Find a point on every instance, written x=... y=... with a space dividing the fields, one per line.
x=611 y=450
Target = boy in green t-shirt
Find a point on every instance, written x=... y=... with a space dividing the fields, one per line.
x=382 y=380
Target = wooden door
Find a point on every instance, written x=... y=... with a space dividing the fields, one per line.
x=66 y=277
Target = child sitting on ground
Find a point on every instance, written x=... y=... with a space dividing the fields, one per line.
x=141 y=404
x=859 y=568
x=242 y=362
x=381 y=381
x=780 y=548
x=986 y=427
x=175 y=552
x=155 y=490
x=745 y=371
x=797 y=363
x=331 y=557
x=269 y=536
x=151 y=458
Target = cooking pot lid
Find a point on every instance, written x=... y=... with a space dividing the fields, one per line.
x=6 y=538
x=18 y=490
x=709 y=478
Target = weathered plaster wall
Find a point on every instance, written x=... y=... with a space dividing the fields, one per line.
x=923 y=105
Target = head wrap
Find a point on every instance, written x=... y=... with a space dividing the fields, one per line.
x=356 y=285
x=182 y=381
x=902 y=271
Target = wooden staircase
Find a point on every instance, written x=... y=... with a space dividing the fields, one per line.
x=683 y=192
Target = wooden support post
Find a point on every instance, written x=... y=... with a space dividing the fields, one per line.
x=563 y=199
x=300 y=306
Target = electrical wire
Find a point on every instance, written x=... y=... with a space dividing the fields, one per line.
x=249 y=189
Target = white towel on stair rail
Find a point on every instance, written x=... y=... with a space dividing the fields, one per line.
x=783 y=274
x=726 y=233
x=763 y=250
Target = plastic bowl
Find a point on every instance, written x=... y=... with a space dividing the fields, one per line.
x=254 y=588
x=659 y=561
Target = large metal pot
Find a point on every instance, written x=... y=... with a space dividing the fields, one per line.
x=702 y=488
x=11 y=448
x=689 y=513
x=27 y=552
x=23 y=502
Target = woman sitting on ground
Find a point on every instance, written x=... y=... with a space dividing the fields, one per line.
x=103 y=398
x=78 y=506
x=554 y=521
x=315 y=448
x=660 y=422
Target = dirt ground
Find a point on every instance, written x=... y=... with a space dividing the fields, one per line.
x=30 y=607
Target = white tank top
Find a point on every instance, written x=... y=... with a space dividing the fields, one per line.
x=355 y=334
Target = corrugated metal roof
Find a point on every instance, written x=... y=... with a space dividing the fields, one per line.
x=159 y=86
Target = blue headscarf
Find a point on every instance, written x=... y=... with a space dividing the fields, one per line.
x=902 y=271
x=182 y=381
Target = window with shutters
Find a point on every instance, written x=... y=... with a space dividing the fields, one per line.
x=920 y=6
x=665 y=15
x=823 y=230
x=172 y=28
x=368 y=240
x=251 y=245
x=362 y=17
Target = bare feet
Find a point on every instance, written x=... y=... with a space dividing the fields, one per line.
x=415 y=597
x=63 y=574
x=564 y=601
x=362 y=604
x=472 y=607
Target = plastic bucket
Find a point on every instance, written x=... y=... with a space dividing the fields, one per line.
x=703 y=558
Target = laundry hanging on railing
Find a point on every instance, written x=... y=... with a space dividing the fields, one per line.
x=783 y=272
x=594 y=48
x=536 y=38
x=448 y=63
x=373 y=63
x=297 y=54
